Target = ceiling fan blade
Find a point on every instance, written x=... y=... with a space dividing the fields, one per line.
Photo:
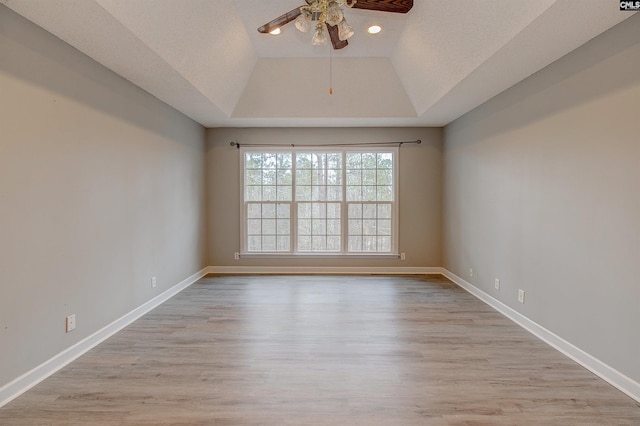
x=335 y=38
x=279 y=21
x=397 y=6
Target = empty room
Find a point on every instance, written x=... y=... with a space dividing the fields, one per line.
x=319 y=212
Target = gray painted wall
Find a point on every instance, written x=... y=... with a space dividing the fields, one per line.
x=542 y=190
x=101 y=187
x=420 y=191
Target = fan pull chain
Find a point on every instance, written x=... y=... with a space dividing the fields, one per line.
x=330 y=69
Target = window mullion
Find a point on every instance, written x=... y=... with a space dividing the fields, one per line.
x=344 y=210
x=294 y=206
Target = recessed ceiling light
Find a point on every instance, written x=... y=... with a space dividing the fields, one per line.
x=374 y=29
x=275 y=31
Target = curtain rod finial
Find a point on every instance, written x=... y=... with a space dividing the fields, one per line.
x=234 y=143
x=418 y=141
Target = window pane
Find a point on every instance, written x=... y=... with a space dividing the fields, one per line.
x=254 y=210
x=355 y=227
x=333 y=210
x=253 y=177
x=253 y=160
x=269 y=161
x=283 y=227
x=369 y=177
x=333 y=243
x=354 y=177
x=334 y=161
x=254 y=226
x=369 y=227
x=285 y=177
x=319 y=193
x=303 y=193
x=284 y=193
x=384 y=227
x=385 y=160
x=269 y=193
x=304 y=226
x=369 y=243
x=354 y=160
x=385 y=193
x=334 y=177
x=333 y=226
x=384 y=244
x=284 y=211
x=253 y=193
x=318 y=210
x=254 y=243
x=269 y=210
x=283 y=243
x=334 y=193
x=284 y=161
x=304 y=243
x=268 y=227
x=318 y=161
x=369 y=160
x=318 y=177
x=303 y=161
x=384 y=211
x=303 y=177
x=354 y=193
x=318 y=227
x=355 y=244
x=269 y=177
x=355 y=211
x=369 y=211
x=304 y=210
x=384 y=177
x=318 y=243
x=268 y=243
x=369 y=193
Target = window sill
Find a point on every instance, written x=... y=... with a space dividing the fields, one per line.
x=320 y=256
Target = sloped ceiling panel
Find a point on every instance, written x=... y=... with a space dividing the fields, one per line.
x=299 y=87
x=444 y=42
x=522 y=55
x=205 y=42
x=88 y=27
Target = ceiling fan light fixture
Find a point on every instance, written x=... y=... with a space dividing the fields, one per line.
x=374 y=29
x=275 y=31
x=303 y=22
x=345 y=30
x=319 y=37
x=334 y=14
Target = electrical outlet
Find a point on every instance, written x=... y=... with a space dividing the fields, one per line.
x=403 y=256
x=497 y=284
x=521 y=296
x=70 y=323
x=470 y=272
x=236 y=256
x=154 y=282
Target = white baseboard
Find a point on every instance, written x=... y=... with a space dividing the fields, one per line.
x=597 y=367
x=25 y=382
x=337 y=270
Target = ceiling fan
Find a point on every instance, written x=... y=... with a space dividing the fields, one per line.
x=316 y=10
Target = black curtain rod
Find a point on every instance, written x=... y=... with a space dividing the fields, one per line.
x=237 y=145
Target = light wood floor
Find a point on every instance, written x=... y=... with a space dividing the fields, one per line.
x=311 y=350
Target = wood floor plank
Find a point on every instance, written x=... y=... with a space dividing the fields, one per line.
x=319 y=350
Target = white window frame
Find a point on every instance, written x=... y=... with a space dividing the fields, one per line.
x=344 y=219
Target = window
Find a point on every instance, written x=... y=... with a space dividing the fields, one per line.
x=298 y=202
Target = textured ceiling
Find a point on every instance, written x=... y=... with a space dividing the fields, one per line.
x=427 y=68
